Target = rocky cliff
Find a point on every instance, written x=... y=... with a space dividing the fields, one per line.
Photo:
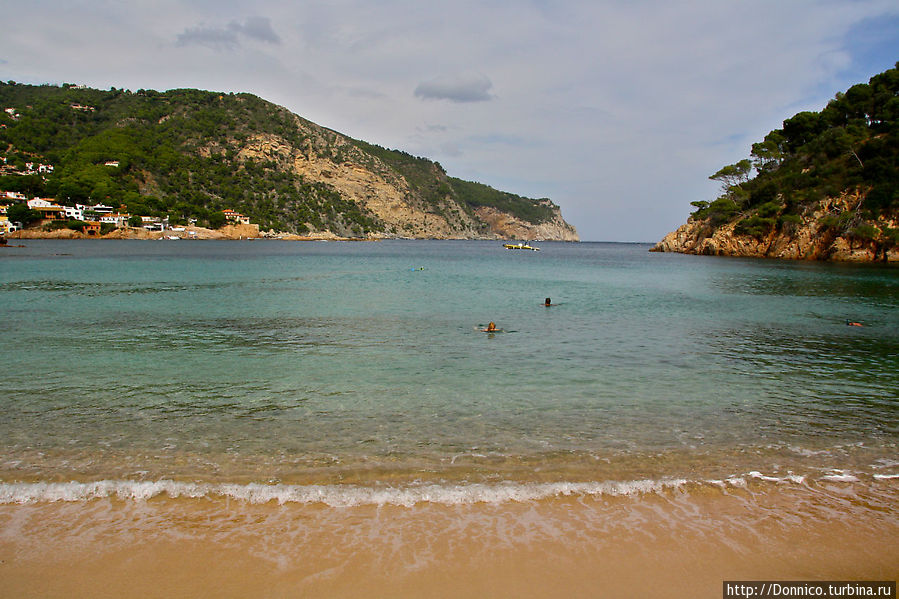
x=811 y=239
x=403 y=210
x=368 y=182
x=507 y=226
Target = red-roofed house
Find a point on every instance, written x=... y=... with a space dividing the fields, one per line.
x=236 y=217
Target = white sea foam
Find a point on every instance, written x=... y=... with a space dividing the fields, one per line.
x=789 y=478
x=809 y=452
x=332 y=495
x=355 y=495
x=840 y=476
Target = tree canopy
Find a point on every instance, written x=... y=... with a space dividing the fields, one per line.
x=849 y=147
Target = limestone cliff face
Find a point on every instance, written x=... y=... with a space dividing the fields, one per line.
x=809 y=240
x=506 y=226
x=332 y=159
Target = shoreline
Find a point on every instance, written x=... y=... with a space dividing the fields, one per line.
x=190 y=233
x=231 y=233
x=672 y=544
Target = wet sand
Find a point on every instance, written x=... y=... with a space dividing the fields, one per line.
x=677 y=543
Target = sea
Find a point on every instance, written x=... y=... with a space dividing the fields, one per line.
x=318 y=388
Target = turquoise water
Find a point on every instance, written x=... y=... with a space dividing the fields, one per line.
x=364 y=364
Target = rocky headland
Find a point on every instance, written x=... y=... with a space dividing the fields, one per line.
x=188 y=156
x=823 y=187
x=810 y=239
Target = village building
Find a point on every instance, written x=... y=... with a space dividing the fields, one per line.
x=34 y=203
x=41 y=168
x=93 y=212
x=91 y=228
x=53 y=212
x=236 y=217
x=48 y=209
x=119 y=220
x=6 y=225
x=73 y=213
x=154 y=223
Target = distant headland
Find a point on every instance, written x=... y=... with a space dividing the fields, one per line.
x=192 y=160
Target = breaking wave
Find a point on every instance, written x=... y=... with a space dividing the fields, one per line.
x=356 y=495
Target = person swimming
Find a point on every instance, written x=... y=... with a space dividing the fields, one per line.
x=491 y=328
x=548 y=302
x=850 y=323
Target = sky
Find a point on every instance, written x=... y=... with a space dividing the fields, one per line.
x=617 y=110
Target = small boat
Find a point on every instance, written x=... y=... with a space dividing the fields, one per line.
x=520 y=246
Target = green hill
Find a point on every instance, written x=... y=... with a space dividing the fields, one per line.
x=190 y=154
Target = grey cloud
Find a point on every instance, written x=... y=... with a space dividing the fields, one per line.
x=211 y=37
x=456 y=88
x=258 y=28
x=228 y=38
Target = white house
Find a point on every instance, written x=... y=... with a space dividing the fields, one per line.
x=233 y=216
x=74 y=213
x=119 y=220
x=98 y=208
x=40 y=203
x=153 y=223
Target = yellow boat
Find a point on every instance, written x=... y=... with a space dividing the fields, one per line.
x=519 y=246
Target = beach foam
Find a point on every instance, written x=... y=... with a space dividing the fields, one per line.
x=331 y=495
x=380 y=495
x=474 y=540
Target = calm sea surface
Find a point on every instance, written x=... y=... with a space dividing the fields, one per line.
x=351 y=370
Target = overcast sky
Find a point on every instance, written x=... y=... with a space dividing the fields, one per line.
x=616 y=110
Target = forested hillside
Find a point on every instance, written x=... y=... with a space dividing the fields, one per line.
x=190 y=154
x=836 y=170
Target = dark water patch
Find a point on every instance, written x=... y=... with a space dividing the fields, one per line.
x=102 y=289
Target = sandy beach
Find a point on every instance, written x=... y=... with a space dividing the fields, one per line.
x=675 y=544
